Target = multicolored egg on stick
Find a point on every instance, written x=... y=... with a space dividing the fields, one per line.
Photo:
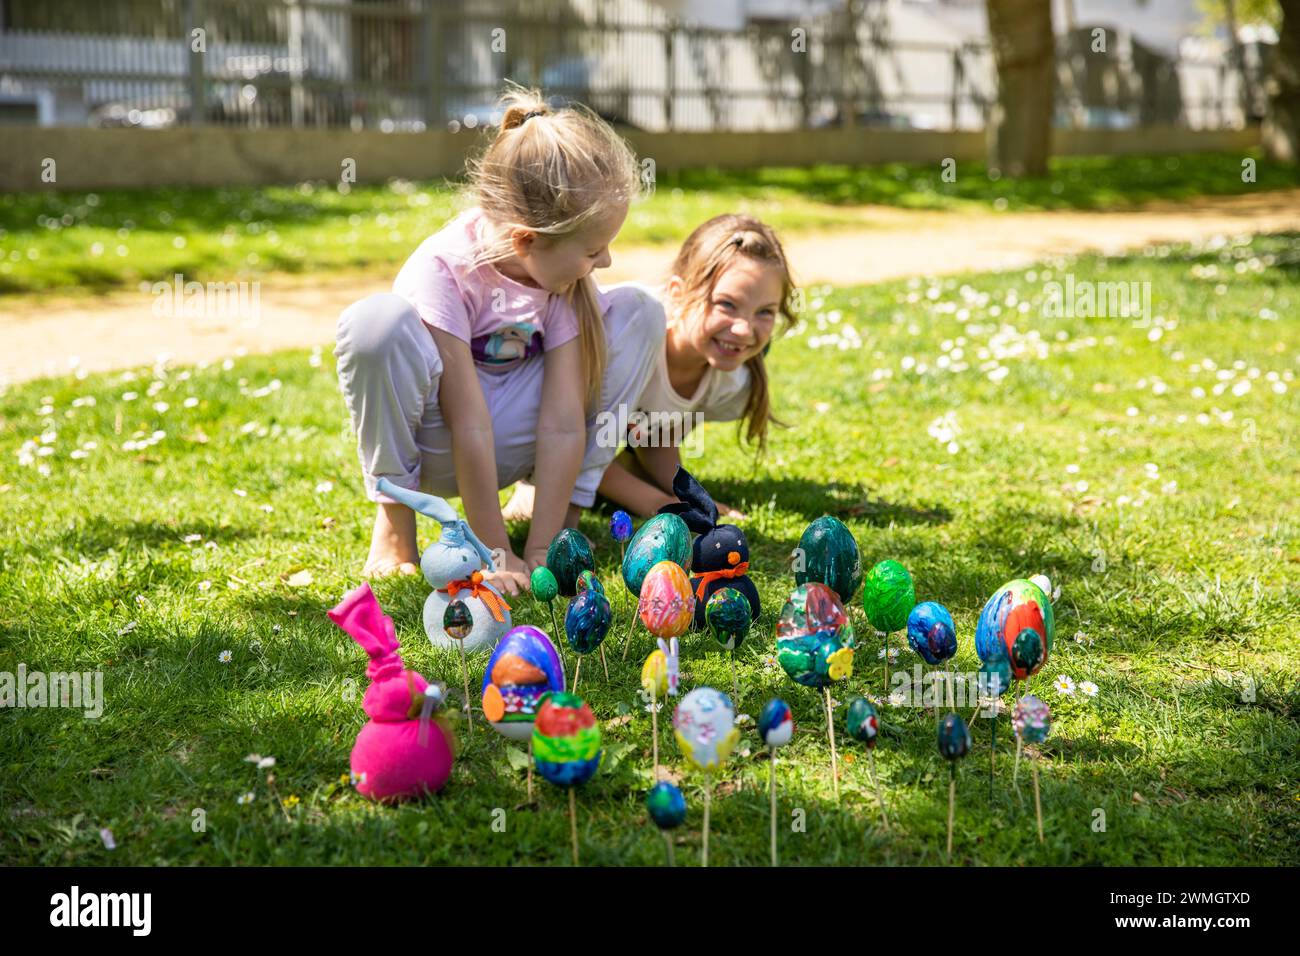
x=814 y=638
x=667 y=604
x=1014 y=608
x=776 y=723
x=521 y=671
x=566 y=740
x=704 y=724
x=863 y=722
x=727 y=613
x=931 y=633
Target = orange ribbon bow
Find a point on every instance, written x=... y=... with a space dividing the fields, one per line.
x=739 y=570
x=495 y=602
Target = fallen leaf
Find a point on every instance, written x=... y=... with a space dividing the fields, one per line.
x=298 y=579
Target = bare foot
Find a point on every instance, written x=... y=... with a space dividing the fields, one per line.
x=393 y=549
x=520 y=505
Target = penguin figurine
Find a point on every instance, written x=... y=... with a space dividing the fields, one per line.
x=720 y=555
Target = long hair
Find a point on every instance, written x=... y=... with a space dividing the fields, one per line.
x=552 y=171
x=703 y=258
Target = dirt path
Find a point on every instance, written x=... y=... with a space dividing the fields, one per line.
x=49 y=336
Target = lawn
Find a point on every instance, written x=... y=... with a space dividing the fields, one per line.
x=156 y=519
x=86 y=243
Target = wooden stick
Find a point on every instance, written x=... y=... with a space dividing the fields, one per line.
x=735 y=694
x=530 y=769
x=627 y=638
x=708 y=794
x=1038 y=804
x=668 y=839
x=952 y=802
x=577 y=668
x=771 y=785
x=1015 y=776
x=654 y=730
x=464 y=670
x=886 y=691
x=993 y=746
x=573 y=824
x=879 y=795
x=602 y=662
x=830 y=732
x=557 y=637
x=948 y=681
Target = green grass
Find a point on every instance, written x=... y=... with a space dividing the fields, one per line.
x=81 y=242
x=1177 y=563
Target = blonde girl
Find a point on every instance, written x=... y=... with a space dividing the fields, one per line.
x=492 y=358
x=730 y=289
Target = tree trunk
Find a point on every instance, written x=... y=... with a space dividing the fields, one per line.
x=1020 y=128
x=1281 y=130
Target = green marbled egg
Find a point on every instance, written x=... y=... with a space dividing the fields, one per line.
x=567 y=557
x=728 y=615
x=888 y=596
x=664 y=537
x=830 y=555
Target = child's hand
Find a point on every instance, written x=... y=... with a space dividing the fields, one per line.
x=534 y=559
x=730 y=513
x=510 y=577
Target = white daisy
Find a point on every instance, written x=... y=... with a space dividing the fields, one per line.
x=1064 y=686
x=225 y=657
x=1088 y=687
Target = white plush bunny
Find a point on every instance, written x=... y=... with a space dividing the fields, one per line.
x=453 y=565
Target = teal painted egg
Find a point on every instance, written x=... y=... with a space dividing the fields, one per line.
x=567 y=557
x=829 y=554
x=664 y=537
x=863 y=722
x=728 y=616
x=888 y=596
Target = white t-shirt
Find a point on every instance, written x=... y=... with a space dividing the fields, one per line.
x=663 y=417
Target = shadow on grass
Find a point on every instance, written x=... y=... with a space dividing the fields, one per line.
x=97 y=534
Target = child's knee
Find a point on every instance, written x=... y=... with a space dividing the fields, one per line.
x=378 y=326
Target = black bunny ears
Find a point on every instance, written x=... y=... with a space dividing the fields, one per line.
x=696 y=508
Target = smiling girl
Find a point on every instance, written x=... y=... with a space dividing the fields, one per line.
x=730 y=285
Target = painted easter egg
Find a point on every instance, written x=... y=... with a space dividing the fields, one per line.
x=728 y=615
x=620 y=526
x=545 y=587
x=654 y=674
x=587 y=620
x=666 y=805
x=776 y=723
x=520 y=671
x=664 y=537
x=667 y=604
x=566 y=740
x=814 y=638
x=931 y=632
x=1032 y=719
x=995 y=676
x=954 y=738
x=888 y=596
x=567 y=557
x=704 y=724
x=457 y=620
x=862 y=721
x=1014 y=607
x=587 y=581
x=1027 y=654
x=490 y=620
x=830 y=555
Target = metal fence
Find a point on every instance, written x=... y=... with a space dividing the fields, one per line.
x=410 y=65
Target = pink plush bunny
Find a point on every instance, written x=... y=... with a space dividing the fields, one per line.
x=402 y=751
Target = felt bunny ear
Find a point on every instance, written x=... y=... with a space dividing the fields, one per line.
x=696 y=508
x=361 y=617
x=472 y=539
x=434 y=507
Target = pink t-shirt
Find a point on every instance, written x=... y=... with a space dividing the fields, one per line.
x=504 y=322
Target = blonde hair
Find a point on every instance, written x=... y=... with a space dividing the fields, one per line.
x=552 y=171
x=700 y=262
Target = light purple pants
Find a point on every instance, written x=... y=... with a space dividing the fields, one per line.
x=389 y=370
